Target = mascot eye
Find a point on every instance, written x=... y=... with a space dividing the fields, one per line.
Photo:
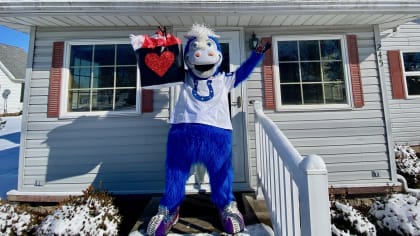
x=209 y=44
x=194 y=45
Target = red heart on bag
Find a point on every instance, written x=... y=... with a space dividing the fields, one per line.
x=160 y=64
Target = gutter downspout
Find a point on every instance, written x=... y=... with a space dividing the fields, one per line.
x=412 y=191
x=385 y=106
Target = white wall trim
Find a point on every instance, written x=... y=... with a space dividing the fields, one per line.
x=9 y=74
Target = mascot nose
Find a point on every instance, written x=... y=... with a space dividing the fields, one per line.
x=197 y=54
x=211 y=54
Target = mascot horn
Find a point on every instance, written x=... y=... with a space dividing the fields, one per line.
x=201 y=131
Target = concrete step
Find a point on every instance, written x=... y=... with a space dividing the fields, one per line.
x=199 y=215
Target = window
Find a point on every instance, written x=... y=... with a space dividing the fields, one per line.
x=310 y=71
x=102 y=77
x=412 y=72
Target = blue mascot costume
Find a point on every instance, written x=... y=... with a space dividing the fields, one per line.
x=201 y=131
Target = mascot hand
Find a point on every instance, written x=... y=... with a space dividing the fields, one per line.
x=262 y=49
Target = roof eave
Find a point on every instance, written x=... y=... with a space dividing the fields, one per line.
x=233 y=7
x=9 y=74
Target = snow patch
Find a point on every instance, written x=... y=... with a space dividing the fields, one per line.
x=345 y=213
x=14 y=221
x=399 y=213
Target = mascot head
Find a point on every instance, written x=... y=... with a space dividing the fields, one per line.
x=203 y=54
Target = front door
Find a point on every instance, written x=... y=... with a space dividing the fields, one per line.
x=198 y=181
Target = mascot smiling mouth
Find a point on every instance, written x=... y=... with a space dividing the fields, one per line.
x=206 y=66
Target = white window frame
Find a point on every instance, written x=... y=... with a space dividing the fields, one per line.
x=64 y=113
x=317 y=107
x=409 y=73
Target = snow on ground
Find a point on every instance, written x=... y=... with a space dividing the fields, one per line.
x=9 y=154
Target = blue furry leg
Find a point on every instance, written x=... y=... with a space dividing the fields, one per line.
x=178 y=164
x=196 y=143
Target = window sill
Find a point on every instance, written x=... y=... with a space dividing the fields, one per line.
x=101 y=114
x=413 y=97
x=314 y=108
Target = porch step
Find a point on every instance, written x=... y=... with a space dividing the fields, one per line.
x=199 y=215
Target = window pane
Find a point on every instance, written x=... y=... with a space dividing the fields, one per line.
x=81 y=56
x=309 y=50
x=104 y=55
x=289 y=72
x=316 y=75
x=80 y=77
x=333 y=71
x=311 y=71
x=225 y=66
x=103 y=77
x=125 y=99
x=291 y=94
x=287 y=51
x=412 y=61
x=312 y=94
x=102 y=100
x=126 y=76
x=125 y=55
x=79 y=100
x=413 y=85
x=330 y=50
x=335 y=93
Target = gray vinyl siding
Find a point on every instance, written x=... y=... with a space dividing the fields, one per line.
x=351 y=141
x=126 y=153
x=404 y=113
x=122 y=154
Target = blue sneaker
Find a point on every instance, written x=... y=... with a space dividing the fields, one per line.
x=162 y=222
x=232 y=219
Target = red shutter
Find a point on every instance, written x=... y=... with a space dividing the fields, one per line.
x=146 y=100
x=396 y=73
x=268 y=77
x=356 y=79
x=55 y=79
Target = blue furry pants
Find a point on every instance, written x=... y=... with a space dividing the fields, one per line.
x=196 y=143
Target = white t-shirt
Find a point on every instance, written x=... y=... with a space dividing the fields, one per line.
x=203 y=108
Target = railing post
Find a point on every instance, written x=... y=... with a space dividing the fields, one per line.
x=297 y=195
x=258 y=106
x=315 y=215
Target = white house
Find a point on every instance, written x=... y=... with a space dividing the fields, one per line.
x=322 y=84
x=12 y=77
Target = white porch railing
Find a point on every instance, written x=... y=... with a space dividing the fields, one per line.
x=295 y=187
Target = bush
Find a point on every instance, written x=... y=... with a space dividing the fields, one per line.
x=397 y=214
x=14 y=220
x=93 y=213
x=408 y=165
x=345 y=220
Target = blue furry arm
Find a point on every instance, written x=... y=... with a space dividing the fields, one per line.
x=242 y=73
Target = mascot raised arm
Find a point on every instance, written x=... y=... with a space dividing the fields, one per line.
x=201 y=131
